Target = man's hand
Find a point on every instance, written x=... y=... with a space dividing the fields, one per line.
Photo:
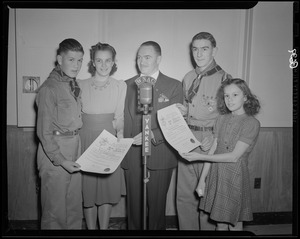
x=183 y=110
x=120 y=137
x=138 y=138
x=70 y=166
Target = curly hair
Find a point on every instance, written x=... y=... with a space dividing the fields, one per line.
x=101 y=47
x=251 y=105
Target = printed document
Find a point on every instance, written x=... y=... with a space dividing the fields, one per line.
x=175 y=129
x=105 y=154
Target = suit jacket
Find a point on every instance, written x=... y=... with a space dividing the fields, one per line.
x=166 y=91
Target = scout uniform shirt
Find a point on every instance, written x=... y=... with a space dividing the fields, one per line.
x=202 y=110
x=58 y=109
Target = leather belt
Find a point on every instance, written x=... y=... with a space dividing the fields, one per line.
x=200 y=128
x=68 y=133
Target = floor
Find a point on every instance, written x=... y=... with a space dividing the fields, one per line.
x=120 y=224
x=279 y=229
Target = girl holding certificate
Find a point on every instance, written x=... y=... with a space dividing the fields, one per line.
x=224 y=183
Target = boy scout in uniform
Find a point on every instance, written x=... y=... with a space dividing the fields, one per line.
x=200 y=87
x=58 y=122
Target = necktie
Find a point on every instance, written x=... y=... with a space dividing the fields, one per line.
x=194 y=88
x=196 y=83
x=74 y=88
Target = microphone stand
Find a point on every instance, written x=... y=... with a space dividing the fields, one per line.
x=145 y=85
x=146 y=153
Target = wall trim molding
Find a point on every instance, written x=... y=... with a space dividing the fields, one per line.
x=119 y=223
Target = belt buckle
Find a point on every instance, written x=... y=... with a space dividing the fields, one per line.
x=71 y=133
x=197 y=128
x=194 y=127
x=208 y=128
x=200 y=128
x=68 y=133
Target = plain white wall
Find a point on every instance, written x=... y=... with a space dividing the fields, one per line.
x=11 y=73
x=270 y=75
x=38 y=34
x=173 y=30
x=39 y=31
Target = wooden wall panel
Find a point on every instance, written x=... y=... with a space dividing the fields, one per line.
x=271 y=160
x=22 y=175
x=23 y=179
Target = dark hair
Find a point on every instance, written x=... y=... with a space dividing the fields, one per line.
x=251 y=105
x=101 y=47
x=69 y=44
x=154 y=44
x=206 y=36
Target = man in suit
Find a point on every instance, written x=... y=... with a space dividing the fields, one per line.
x=163 y=158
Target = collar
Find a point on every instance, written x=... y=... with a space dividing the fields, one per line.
x=63 y=75
x=208 y=68
x=154 y=75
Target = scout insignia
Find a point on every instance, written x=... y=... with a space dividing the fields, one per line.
x=162 y=98
x=209 y=102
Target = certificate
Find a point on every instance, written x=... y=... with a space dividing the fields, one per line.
x=105 y=154
x=176 y=130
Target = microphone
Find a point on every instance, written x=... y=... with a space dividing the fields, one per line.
x=145 y=96
x=145 y=86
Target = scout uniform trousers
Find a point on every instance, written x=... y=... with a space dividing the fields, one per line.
x=187 y=200
x=61 y=196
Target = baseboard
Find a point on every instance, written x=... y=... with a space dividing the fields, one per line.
x=119 y=223
x=266 y=218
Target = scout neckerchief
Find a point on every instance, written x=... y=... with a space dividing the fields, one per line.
x=196 y=83
x=74 y=87
x=75 y=90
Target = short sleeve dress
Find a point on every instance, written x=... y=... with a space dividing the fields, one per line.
x=227 y=195
x=102 y=108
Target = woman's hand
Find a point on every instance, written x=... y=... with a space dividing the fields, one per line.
x=192 y=156
x=200 y=188
x=137 y=140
